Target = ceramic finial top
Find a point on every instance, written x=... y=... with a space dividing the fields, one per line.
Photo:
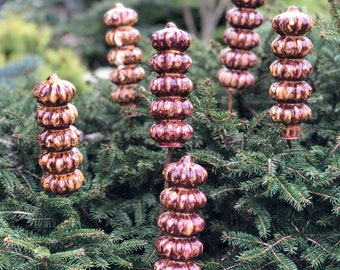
x=120 y=16
x=171 y=38
x=54 y=91
x=292 y=23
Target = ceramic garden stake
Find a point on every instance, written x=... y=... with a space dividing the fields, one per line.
x=60 y=158
x=180 y=197
x=125 y=56
x=171 y=87
x=240 y=39
x=290 y=71
x=180 y=246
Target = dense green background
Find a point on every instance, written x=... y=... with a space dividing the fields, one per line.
x=269 y=206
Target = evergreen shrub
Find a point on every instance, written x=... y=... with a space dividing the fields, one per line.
x=269 y=206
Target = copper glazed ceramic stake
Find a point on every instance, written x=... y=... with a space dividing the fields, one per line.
x=125 y=56
x=240 y=39
x=171 y=87
x=58 y=139
x=290 y=71
x=180 y=246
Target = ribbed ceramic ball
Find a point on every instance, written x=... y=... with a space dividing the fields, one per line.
x=127 y=75
x=183 y=199
x=179 y=248
x=290 y=91
x=291 y=47
x=167 y=264
x=171 y=62
x=244 y=18
x=127 y=55
x=171 y=133
x=119 y=16
x=171 y=108
x=56 y=117
x=248 y=3
x=291 y=69
x=125 y=94
x=54 y=91
x=58 y=139
x=244 y=39
x=290 y=114
x=171 y=85
x=292 y=23
x=235 y=79
x=122 y=36
x=181 y=224
x=63 y=184
x=60 y=162
x=171 y=38
x=185 y=173
x=238 y=59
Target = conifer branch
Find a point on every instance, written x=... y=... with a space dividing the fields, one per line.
x=317 y=244
x=333 y=150
x=88 y=217
x=334 y=13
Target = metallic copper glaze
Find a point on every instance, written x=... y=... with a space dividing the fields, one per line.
x=291 y=47
x=292 y=23
x=291 y=69
x=238 y=59
x=56 y=117
x=185 y=173
x=166 y=264
x=248 y=3
x=179 y=248
x=63 y=184
x=127 y=75
x=120 y=16
x=60 y=158
x=244 y=18
x=124 y=56
x=244 y=39
x=240 y=39
x=171 y=108
x=60 y=162
x=58 y=139
x=290 y=91
x=183 y=199
x=171 y=38
x=180 y=224
x=171 y=133
x=235 y=79
x=171 y=62
x=171 y=85
x=54 y=91
x=127 y=55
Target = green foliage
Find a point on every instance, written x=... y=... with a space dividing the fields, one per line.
x=269 y=206
x=21 y=37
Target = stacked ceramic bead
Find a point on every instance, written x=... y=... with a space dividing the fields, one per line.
x=125 y=56
x=180 y=223
x=240 y=39
x=60 y=158
x=171 y=87
x=179 y=246
x=290 y=71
